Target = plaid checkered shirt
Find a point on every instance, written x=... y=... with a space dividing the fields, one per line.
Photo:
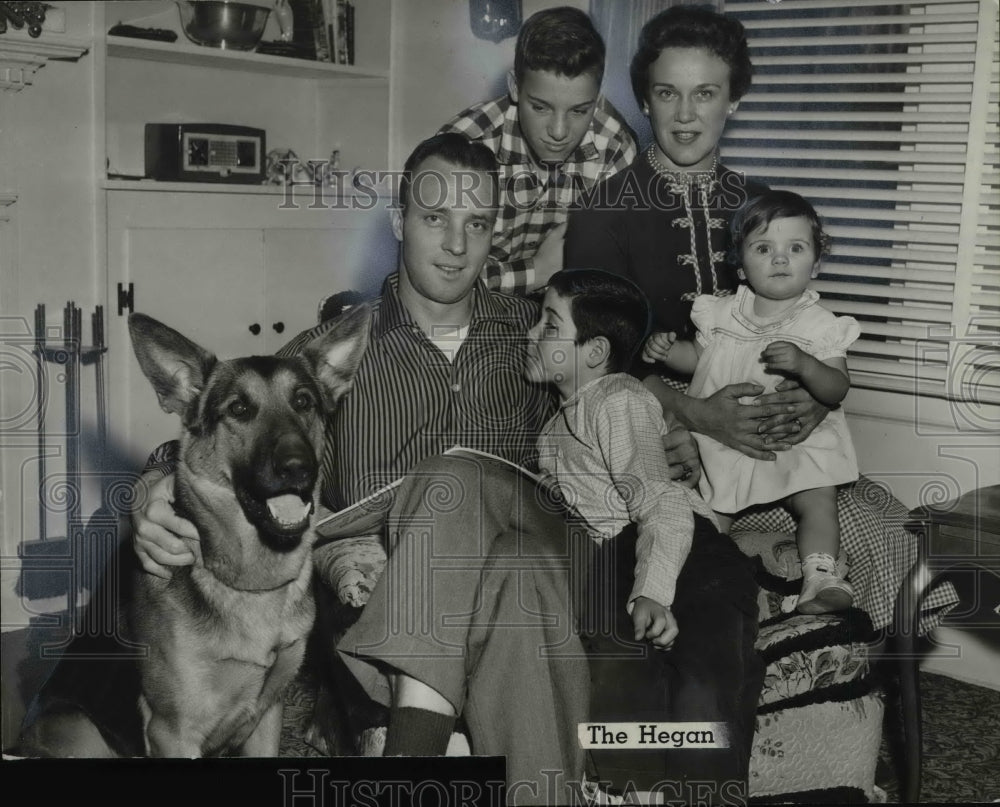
x=536 y=198
x=604 y=450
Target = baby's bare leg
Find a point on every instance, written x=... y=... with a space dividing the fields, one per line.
x=818 y=538
x=815 y=514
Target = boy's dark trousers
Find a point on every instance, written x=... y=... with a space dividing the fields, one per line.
x=711 y=674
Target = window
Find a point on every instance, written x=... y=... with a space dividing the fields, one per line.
x=885 y=117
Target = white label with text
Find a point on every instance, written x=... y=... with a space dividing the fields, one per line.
x=653 y=735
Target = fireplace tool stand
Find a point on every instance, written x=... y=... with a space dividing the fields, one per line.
x=68 y=564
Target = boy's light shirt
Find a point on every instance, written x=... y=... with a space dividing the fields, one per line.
x=604 y=448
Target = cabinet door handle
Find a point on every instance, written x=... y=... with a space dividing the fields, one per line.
x=126 y=298
x=279 y=327
x=255 y=328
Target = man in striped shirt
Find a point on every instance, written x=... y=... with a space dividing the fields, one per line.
x=471 y=615
x=554 y=136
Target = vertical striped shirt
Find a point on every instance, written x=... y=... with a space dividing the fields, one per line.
x=410 y=402
x=536 y=198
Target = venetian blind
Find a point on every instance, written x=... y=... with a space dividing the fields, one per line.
x=885 y=116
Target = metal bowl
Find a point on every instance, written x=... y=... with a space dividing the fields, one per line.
x=223 y=24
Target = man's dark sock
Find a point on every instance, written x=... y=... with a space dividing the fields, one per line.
x=418 y=733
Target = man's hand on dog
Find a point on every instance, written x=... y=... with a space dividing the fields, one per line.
x=158 y=533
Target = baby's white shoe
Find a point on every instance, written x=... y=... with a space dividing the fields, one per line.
x=825 y=592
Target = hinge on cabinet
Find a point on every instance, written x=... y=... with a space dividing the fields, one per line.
x=126 y=298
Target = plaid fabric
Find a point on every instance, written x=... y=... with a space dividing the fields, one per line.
x=535 y=198
x=604 y=449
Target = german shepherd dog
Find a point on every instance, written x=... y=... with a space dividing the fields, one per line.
x=225 y=636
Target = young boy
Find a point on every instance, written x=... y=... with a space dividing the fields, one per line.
x=660 y=571
x=554 y=137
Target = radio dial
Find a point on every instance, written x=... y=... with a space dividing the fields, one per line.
x=198 y=151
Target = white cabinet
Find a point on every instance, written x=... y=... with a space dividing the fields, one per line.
x=233 y=272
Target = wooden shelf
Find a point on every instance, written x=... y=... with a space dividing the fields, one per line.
x=154 y=186
x=246 y=61
x=302 y=194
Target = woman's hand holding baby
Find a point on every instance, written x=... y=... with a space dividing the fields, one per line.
x=805 y=413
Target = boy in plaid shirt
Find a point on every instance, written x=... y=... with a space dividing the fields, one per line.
x=554 y=136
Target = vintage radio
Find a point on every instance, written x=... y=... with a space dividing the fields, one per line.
x=205 y=152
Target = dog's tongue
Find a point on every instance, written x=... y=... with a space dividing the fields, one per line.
x=288 y=509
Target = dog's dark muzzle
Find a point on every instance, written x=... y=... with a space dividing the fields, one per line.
x=276 y=494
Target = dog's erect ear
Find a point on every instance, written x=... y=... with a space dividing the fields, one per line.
x=336 y=355
x=175 y=366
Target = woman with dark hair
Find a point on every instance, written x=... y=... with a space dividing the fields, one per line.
x=663 y=222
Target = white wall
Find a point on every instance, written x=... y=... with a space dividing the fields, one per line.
x=47 y=148
x=926 y=451
x=47 y=160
